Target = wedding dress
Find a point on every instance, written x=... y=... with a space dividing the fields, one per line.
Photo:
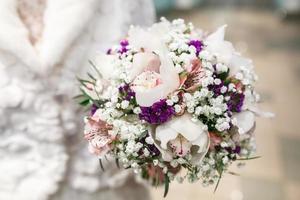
x=44 y=44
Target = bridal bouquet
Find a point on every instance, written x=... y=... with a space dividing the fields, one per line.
x=171 y=98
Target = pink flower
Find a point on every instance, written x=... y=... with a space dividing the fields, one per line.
x=97 y=134
x=153 y=74
x=153 y=78
x=192 y=79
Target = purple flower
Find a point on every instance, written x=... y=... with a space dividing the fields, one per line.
x=124 y=43
x=197 y=44
x=237 y=150
x=127 y=92
x=216 y=89
x=236 y=102
x=158 y=113
x=108 y=52
x=151 y=147
x=93 y=109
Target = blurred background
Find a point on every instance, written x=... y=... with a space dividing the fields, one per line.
x=268 y=31
x=43 y=46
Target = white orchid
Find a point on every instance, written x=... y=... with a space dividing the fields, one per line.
x=181 y=136
x=216 y=45
x=153 y=74
x=244 y=121
x=105 y=65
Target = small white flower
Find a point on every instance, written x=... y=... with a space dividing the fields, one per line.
x=146 y=152
x=225 y=160
x=177 y=108
x=174 y=163
x=165 y=170
x=224 y=144
x=217 y=111
x=179 y=179
x=223 y=89
x=205 y=167
x=174 y=98
x=178 y=68
x=187 y=96
x=124 y=104
x=190 y=109
x=149 y=140
x=239 y=76
x=217 y=81
x=169 y=102
x=137 y=110
x=221 y=68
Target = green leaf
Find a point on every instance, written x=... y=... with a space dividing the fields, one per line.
x=92 y=77
x=233 y=173
x=78 y=96
x=83 y=82
x=84 y=102
x=167 y=183
x=95 y=68
x=220 y=176
x=249 y=158
x=101 y=164
x=117 y=163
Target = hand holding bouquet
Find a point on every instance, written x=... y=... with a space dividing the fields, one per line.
x=172 y=97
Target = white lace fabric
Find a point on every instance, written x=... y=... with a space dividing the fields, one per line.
x=42 y=153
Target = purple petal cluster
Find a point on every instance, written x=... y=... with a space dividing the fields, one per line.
x=126 y=92
x=236 y=102
x=151 y=147
x=124 y=43
x=94 y=108
x=216 y=89
x=197 y=44
x=236 y=150
x=160 y=112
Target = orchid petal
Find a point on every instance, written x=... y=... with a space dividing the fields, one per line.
x=143 y=62
x=216 y=45
x=164 y=134
x=236 y=62
x=150 y=96
x=218 y=35
x=142 y=39
x=186 y=127
x=261 y=113
x=105 y=64
x=244 y=121
x=166 y=155
x=202 y=142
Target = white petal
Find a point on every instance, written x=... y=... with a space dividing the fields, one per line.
x=186 y=127
x=142 y=62
x=4 y=78
x=105 y=64
x=168 y=73
x=166 y=155
x=261 y=113
x=223 y=50
x=170 y=82
x=236 y=62
x=11 y=96
x=218 y=35
x=202 y=142
x=218 y=46
x=164 y=134
x=245 y=121
x=140 y=38
x=150 y=39
x=148 y=97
